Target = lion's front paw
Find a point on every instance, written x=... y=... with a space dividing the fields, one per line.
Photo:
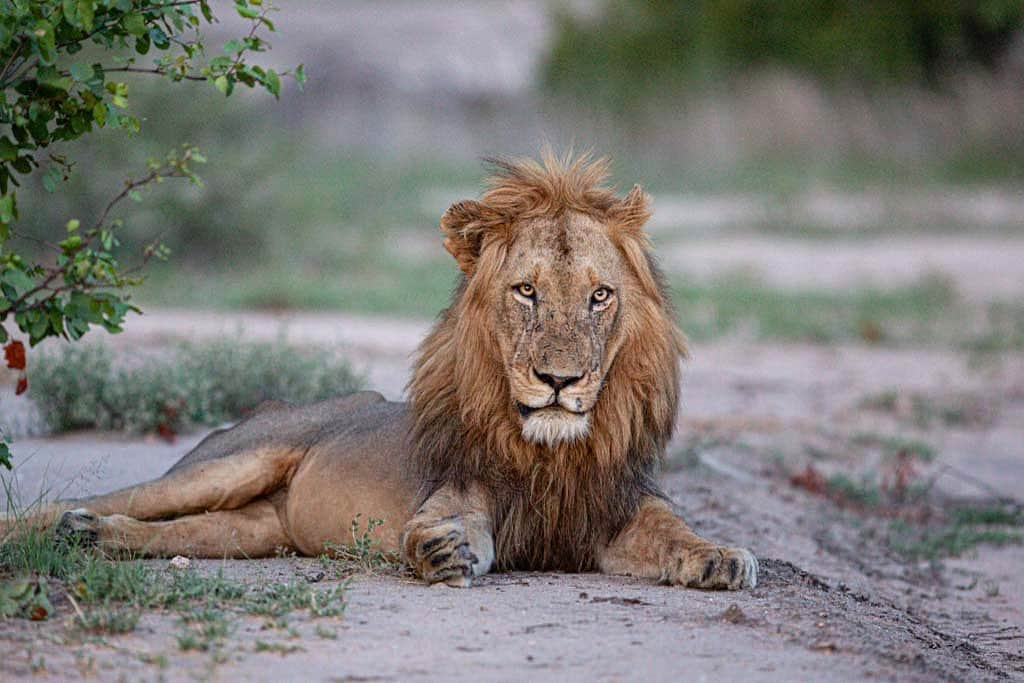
x=712 y=567
x=79 y=526
x=440 y=552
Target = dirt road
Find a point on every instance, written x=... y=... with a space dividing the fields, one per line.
x=835 y=601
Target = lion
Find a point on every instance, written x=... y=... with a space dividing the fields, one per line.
x=541 y=402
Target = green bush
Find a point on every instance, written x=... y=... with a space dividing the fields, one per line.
x=639 y=47
x=89 y=387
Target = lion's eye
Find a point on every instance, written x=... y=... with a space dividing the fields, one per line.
x=600 y=296
x=525 y=290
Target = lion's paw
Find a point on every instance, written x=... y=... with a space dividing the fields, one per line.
x=440 y=552
x=714 y=567
x=79 y=526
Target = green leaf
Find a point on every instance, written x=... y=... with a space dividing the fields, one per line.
x=159 y=38
x=46 y=44
x=71 y=12
x=49 y=77
x=8 y=151
x=300 y=74
x=81 y=72
x=272 y=82
x=134 y=24
x=8 y=208
x=16 y=279
x=222 y=84
x=220 y=62
x=22 y=165
x=39 y=330
x=86 y=14
x=70 y=243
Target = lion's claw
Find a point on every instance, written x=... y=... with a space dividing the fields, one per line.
x=441 y=552
x=713 y=567
x=79 y=527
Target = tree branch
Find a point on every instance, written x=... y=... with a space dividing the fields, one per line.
x=173 y=169
x=10 y=61
x=160 y=72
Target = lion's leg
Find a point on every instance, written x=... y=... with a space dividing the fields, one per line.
x=659 y=545
x=254 y=530
x=220 y=484
x=223 y=484
x=450 y=538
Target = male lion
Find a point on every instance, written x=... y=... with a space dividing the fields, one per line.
x=541 y=402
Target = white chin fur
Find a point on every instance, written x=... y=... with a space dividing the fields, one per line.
x=551 y=427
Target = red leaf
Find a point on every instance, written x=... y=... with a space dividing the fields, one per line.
x=810 y=479
x=165 y=432
x=15 y=355
x=22 y=386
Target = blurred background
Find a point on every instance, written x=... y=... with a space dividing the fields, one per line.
x=821 y=171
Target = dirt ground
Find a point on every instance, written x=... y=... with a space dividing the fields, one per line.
x=834 y=601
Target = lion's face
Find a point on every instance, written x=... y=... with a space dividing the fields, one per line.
x=556 y=302
x=559 y=334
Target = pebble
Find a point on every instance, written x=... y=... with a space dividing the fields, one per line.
x=179 y=562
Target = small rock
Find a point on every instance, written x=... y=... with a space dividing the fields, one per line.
x=315 y=576
x=824 y=646
x=733 y=614
x=179 y=562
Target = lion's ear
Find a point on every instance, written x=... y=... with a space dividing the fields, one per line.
x=627 y=220
x=465 y=225
x=631 y=213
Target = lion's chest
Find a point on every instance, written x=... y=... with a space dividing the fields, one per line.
x=560 y=525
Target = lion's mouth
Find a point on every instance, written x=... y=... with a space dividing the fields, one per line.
x=526 y=411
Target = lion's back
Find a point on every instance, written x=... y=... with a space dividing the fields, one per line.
x=292 y=425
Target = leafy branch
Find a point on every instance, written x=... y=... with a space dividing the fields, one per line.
x=61 y=287
x=67 y=297
x=49 y=98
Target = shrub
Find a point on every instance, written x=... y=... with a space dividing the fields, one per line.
x=167 y=391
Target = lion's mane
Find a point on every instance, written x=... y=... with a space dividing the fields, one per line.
x=553 y=506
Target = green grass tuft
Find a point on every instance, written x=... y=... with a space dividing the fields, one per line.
x=895 y=446
x=362 y=555
x=108 y=596
x=865 y=492
x=965 y=528
x=949 y=541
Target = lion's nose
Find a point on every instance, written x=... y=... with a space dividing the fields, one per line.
x=556 y=382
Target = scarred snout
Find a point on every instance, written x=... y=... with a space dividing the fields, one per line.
x=555 y=394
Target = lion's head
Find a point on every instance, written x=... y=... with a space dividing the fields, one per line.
x=559 y=337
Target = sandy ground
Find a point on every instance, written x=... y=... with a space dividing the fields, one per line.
x=832 y=603
x=980 y=268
